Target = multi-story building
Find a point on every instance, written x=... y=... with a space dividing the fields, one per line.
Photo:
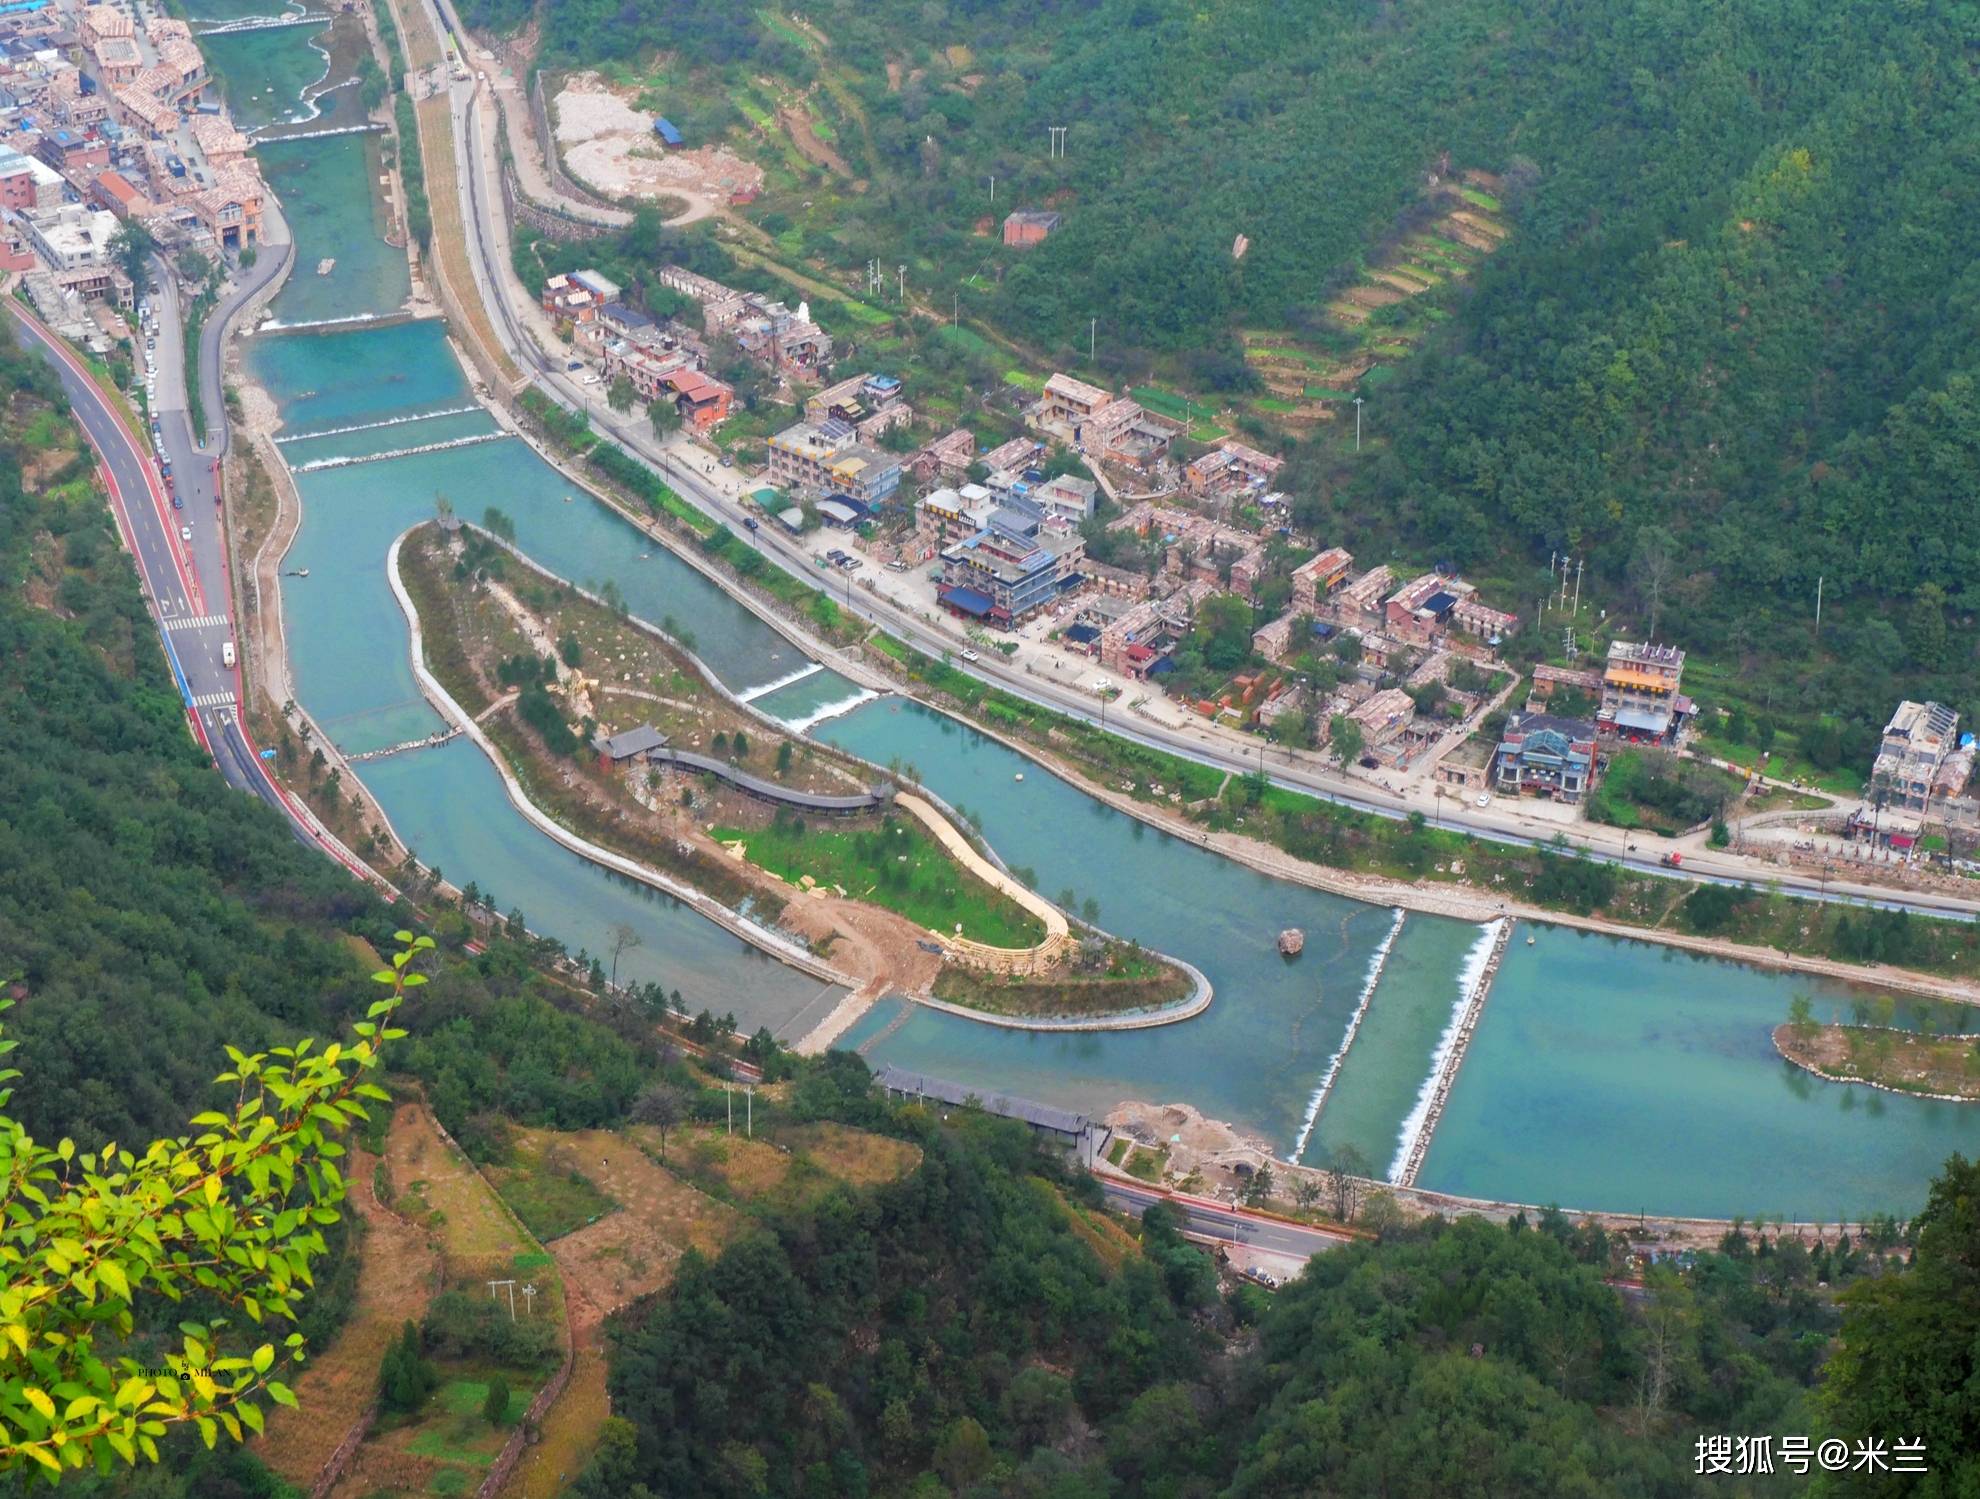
x=1069 y=497
x=577 y=297
x=949 y=515
x=1383 y=717
x=1541 y=754
x=825 y=458
x=1918 y=743
x=1018 y=454
x=789 y=342
x=1009 y=570
x=1641 y=701
x=27 y=182
x=1140 y=639
x=72 y=237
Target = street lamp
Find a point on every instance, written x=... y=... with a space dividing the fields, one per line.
x=1357 y=424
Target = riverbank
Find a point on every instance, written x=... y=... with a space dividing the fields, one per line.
x=1946 y=1068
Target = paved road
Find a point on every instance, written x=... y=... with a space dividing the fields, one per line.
x=488 y=254
x=1213 y=1221
x=185 y=581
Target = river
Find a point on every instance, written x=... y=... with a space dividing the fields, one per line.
x=1605 y=1073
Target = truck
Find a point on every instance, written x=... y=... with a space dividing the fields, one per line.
x=1672 y=861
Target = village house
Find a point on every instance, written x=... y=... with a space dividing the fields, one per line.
x=1015 y=456
x=1273 y=641
x=1549 y=680
x=1317 y=577
x=1640 y=697
x=1382 y=718
x=1542 y=754
x=1028 y=226
x=1141 y=641
x=1230 y=471
x=825 y=458
x=1357 y=603
x=577 y=297
x=1198 y=548
x=788 y=342
x=946 y=459
x=869 y=404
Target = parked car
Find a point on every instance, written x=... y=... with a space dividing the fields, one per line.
x=749 y=523
x=575 y=364
x=728 y=460
x=971 y=656
x=185 y=533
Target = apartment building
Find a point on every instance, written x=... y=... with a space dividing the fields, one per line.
x=950 y=515
x=1009 y=570
x=1641 y=701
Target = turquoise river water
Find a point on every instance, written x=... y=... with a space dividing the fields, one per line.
x=1604 y=1074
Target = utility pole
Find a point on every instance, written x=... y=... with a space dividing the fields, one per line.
x=1818 y=608
x=1092 y=338
x=749 y=1113
x=1357 y=424
x=900 y=283
x=729 y=1094
x=495 y=1285
x=1577 y=586
x=993 y=189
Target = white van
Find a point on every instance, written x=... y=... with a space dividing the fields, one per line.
x=227 y=654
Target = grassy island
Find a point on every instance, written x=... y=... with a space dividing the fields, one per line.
x=1899 y=1060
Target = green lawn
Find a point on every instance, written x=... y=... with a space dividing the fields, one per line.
x=968 y=339
x=1785 y=762
x=550 y=1202
x=1024 y=380
x=1477 y=199
x=897 y=865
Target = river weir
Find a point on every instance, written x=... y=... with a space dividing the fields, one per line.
x=1474 y=983
x=1319 y=1100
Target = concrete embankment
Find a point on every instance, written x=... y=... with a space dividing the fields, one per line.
x=773 y=943
x=1422 y=1122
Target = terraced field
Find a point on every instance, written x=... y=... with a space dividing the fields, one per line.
x=1384 y=316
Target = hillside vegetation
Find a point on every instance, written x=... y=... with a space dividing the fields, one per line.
x=1723 y=349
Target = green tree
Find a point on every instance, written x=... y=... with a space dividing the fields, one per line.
x=665 y=417
x=406 y=1377
x=495 y=1404
x=234 y=1214
x=620 y=395
x=1801 y=1017
x=132 y=246
x=963 y=1455
x=1344 y=738
x=1906 y=1360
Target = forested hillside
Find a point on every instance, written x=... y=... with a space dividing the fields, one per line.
x=970 y=1331
x=1724 y=351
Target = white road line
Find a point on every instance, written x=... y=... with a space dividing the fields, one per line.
x=200 y=622
x=214 y=700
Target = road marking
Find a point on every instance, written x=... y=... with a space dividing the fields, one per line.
x=214 y=700
x=199 y=622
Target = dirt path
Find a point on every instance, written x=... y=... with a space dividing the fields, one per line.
x=399 y=1271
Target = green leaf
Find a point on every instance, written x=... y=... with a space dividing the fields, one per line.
x=281 y=1394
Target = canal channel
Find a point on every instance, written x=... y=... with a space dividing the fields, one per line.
x=1604 y=1073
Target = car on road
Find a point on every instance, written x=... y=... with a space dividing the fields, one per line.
x=728 y=460
x=1485 y=801
x=177 y=503
x=575 y=364
x=589 y=380
x=750 y=523
x=227 y=654
x=185 y=533
x=971 y=656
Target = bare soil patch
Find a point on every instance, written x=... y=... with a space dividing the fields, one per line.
x=399 y=1268
x=610 y=146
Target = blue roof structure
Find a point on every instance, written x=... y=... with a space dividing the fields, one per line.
x=967 y=599
x=665 y=129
